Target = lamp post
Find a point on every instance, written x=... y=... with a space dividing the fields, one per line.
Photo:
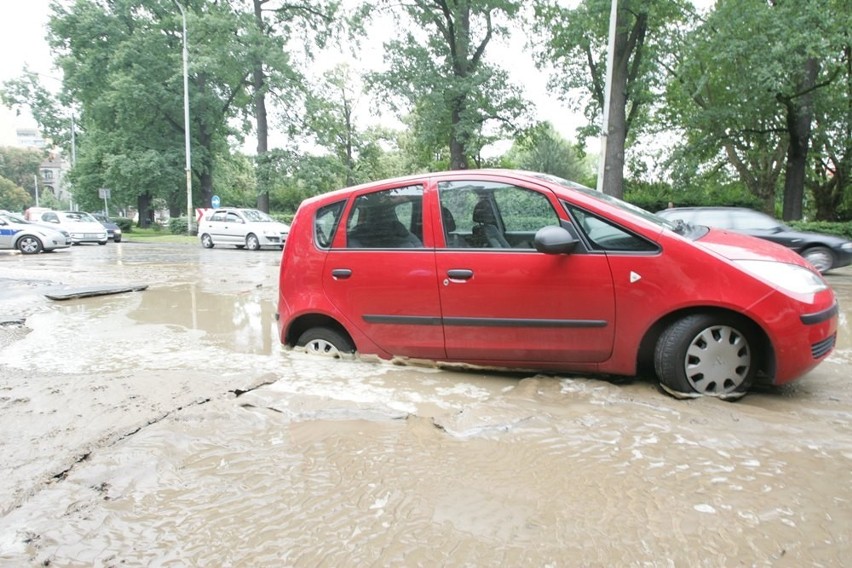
x=610 y=60
x=186 y=123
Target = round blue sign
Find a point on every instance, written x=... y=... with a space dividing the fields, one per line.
x=215 y=201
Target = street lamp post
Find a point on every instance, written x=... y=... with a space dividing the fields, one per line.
x=610 y=60
x=186 y=123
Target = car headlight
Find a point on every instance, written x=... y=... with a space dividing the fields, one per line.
x=847 y=246
x=790 y=277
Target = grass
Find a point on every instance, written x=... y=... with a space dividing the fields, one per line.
x=138 y=235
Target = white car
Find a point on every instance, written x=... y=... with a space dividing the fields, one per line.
x=242 y=228
x=82 y=227
x=30 y=238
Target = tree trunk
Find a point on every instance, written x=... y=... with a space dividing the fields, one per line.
x=799 y=118
x=144 y=210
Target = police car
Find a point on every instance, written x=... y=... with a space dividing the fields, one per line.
x=30 y=238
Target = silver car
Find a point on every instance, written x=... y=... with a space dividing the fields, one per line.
x=30 y=238
x=242 y=228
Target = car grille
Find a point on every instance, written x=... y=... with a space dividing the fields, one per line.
x=823 y=347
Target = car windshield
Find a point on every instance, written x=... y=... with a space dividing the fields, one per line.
x=80 y=217
x=14 y=218
x=257 y=216
x=676 y=226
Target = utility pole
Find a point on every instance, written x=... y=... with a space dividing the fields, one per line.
x=610 y=61
x=186 y=123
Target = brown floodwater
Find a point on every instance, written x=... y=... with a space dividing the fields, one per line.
x=169 y=428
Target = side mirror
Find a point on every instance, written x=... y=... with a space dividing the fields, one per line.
x=554 y=240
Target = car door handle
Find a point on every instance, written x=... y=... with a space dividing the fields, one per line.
x=460 y=274
x=341 y=273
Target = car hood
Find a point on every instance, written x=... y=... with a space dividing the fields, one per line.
x=738 y=246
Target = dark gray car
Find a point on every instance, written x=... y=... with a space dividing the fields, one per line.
x=823 y=251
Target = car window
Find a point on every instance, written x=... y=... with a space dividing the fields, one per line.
x=752 y=220
x=480 y=214
x=387 y=219
x=218 y=216
x=50 y=217
x=256 y=215
x=233 y=218
x=714 y=218
x=325 y=223
x=604 y=235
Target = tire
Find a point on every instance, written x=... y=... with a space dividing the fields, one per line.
x=29 y=245
x=821 y=257
x=207 y=241
x=116 y=239
x=252 y=242
x=325 y=341
x=102 y=243
x=705 y=355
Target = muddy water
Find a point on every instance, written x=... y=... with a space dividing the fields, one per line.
x=168 y=428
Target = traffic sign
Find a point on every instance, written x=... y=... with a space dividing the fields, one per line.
x=215 y=201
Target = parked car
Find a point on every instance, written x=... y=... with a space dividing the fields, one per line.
x=112 y=228
x=82 y=227
x=516 y=269
x=242 y=228
x=30 y=238
x=823 y=251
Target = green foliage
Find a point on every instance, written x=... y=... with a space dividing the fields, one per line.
x=843 y=229
x=437 y=74
x=543 y=149
x=178 y=226
x=12 y=197
x=124 y=223
x=656 y=196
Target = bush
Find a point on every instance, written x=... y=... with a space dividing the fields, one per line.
x=178 y=226
x=843 y=229
x=125 y=224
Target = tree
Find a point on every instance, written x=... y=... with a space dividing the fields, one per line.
x=749 y=83
x=13 y=197
x=542 y=149
x=20 y=165
x=575 y=46
x=272 y=70
x=438 y=69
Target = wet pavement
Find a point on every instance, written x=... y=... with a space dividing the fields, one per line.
x=167 y=427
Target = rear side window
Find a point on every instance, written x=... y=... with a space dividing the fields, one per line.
x=392 y=218
x=325 y=223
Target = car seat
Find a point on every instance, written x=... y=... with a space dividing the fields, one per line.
x=485 y=231
x=453 y=239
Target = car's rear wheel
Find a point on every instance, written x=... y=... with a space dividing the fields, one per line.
x=252 y=243
x=703 y=354
x=325 y=341
x=206 y=241
x=821 y=257
x=29 y=245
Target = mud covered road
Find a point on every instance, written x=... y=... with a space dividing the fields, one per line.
x=167 y=427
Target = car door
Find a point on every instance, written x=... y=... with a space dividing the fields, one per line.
x=380 y=272
x=7 y=233
x=514 y=303
x=215 y=227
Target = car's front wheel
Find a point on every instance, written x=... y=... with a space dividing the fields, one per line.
x=29 y=245
x=703 y=354
x=252 y=242
x=325 y=341
x=821 y=257
x=206 y=241
x=116 y=239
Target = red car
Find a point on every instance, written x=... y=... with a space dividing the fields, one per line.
x=524 y=270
